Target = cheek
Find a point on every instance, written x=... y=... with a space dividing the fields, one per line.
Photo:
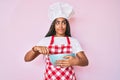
x=64 y=27
x=56 y=28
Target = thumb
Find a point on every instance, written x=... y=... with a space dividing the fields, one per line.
x=67 y=57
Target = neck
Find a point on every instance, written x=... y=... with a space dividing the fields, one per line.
x=57 y=35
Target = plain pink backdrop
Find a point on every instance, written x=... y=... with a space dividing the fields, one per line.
x=96 y=24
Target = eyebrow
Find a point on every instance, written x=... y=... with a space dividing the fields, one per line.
x=60 y=21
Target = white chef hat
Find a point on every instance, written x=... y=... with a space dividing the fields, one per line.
x=59 y=9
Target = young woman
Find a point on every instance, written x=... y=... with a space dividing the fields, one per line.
x=58 y=40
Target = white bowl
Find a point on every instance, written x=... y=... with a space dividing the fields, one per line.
x=54 y=57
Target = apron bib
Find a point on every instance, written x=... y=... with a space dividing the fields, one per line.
x=56 y=72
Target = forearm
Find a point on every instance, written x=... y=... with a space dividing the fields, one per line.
x=30 y=55
x=81 y=59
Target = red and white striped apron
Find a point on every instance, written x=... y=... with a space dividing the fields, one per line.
x=57 y=72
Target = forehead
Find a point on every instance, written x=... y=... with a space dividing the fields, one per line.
x=60 y=19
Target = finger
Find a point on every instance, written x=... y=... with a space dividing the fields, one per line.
x=47 y=50
x=64 y=65
x=62 y=62
x=67 y=57
x=43 y=50
x=59 y=61
x=39 y=50
x=58 y=64
x=61 y=65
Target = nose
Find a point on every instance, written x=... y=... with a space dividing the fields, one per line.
x=61 y=24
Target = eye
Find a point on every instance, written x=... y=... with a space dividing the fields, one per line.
x=64 y=22
x=57 y=22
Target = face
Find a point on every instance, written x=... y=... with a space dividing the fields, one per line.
x=60 y=26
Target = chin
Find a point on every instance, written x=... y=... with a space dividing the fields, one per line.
x=61 y=34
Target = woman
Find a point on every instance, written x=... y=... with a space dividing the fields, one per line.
x=58 y=40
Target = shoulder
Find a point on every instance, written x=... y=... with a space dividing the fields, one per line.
x=72 y=39
x=46 y=38
x=44 y=41
x=76 y=46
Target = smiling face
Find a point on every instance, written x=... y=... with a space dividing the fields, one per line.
x=60 y=27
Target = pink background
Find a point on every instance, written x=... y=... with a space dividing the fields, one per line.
x=96 y=24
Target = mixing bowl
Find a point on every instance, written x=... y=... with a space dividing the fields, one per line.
x=54 y=57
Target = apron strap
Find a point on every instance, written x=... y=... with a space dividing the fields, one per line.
x=52 y=40
x=68 y=40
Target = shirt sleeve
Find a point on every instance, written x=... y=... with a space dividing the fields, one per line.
x=76 y=47
x=40 y=43
x=43 y=42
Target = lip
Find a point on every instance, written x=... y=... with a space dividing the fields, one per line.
x=60 y=29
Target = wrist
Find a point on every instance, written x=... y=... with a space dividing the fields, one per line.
x=76 y=62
